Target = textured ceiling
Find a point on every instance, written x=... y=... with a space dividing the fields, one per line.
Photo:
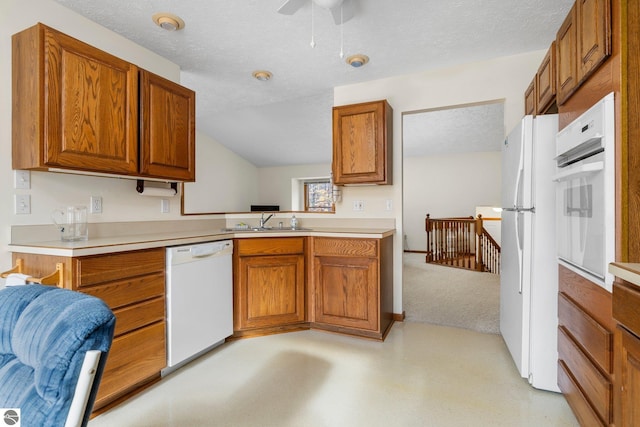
x=469 y=128
x=287 y=120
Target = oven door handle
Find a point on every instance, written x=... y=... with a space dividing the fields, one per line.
x=579 y=171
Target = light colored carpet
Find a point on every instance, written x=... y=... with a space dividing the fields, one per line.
x=450 y=296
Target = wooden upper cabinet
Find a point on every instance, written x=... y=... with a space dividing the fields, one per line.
x=530 y=99
x=74 y=106
x=594 y=35
x=546 y=81
x=167 y=140
x=567 y=57
x=362 y=143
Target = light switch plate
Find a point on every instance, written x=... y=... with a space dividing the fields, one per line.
x=21 y=179
x=164 y=205
x=23 y=204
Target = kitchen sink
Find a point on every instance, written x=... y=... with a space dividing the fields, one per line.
x=264 y=229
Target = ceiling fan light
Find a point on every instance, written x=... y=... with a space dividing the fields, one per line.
x=168 y=21
x=262 y=75
x=357 y=60
x=328 y=4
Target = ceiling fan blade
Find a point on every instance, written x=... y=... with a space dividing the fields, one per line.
x=347 y=12
x=290 y=7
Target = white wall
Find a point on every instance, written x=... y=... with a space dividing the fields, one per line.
x=225 y=182
x=275 y=186
x=447 y=186
x=503 y=78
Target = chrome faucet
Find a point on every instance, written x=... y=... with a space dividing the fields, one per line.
x=263 y=221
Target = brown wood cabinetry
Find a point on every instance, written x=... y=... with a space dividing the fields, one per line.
x=269 y=285
x=362 y=143
x=546 y=81
x=626 y=311
x=593 y=36
x=132 y=284
x=585 y=348
x=530 y=99
x=540 y=96
x=583 y=44
x=567 y=57
x=76 y=107
x=167 y=142
x=353 y=285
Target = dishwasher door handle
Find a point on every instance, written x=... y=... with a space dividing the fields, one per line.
x=202 y=252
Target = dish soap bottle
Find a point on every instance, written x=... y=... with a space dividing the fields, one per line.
x=294 y=222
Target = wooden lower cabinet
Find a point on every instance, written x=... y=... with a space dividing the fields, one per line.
x=626 y=311
x=347 y=291
x=585 y=348
x=269 y=285
x=132 y=284
x=352 y=280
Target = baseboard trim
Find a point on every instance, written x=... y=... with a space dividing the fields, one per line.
x=398 y=317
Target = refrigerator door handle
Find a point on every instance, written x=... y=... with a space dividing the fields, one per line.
x=520 y=250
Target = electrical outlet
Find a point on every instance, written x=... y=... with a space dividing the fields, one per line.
x=96 y=204
x=358 y=205
x=23 y=204
x=22 y=180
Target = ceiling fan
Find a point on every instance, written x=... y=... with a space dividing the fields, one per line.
x=342 y=10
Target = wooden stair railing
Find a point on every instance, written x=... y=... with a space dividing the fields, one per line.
x=461 y=242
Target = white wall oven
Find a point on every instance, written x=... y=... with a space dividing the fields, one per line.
x=585 y=193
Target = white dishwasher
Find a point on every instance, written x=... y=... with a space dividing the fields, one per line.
x=199 y=299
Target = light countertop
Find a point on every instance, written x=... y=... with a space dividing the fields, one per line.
x=103 y=245
x=627 y=271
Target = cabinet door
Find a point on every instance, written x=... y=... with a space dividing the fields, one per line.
x=546 y=81
x=91 y=107
x=269 y=291
x=530 y=99
x=347 y=291
x=628 y=355
x=567 y=57
x=167 y=142
x=362 y=143
x=594 y=35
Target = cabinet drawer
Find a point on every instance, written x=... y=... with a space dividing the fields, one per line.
x=326 y=246
x=134 y=358
x=626 y=306
x=270 y=246
x=129 y=291
x=594 y=338
x=580 y=405
x=136 y=316
x=92 y=270
x=587 y=376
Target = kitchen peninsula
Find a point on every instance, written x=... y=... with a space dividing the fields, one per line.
x=341 y=281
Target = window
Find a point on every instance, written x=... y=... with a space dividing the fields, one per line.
x=317 y=196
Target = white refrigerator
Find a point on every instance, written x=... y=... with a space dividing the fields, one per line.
x=529 y=267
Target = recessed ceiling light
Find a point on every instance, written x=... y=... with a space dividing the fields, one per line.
x=262 y=75
x=357 y=60
x=168 y=21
